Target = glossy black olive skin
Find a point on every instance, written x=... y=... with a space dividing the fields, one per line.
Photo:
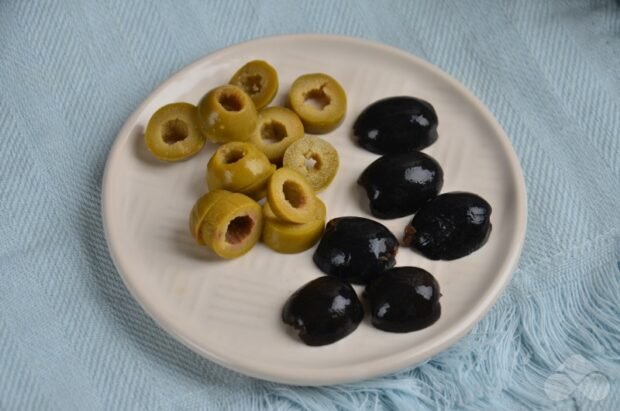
x=451 y=226
x=323 y=311
x=396 y=125
x=355 y=249
x=399 y=184
x=404 y=299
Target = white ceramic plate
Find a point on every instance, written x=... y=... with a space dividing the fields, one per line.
x=229 y=311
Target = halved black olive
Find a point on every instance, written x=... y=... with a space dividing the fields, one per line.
x=451 y=226
x=399 y=184
x=396 y=125
x=404 y=299
x=355 y=249
x=323 y=311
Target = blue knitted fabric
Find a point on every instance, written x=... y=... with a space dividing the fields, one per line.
x=71 y=72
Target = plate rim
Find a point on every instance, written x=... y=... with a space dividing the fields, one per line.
x=367 y=369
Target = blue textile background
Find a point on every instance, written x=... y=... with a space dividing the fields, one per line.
x=71 y=72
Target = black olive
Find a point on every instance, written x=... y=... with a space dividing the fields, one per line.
x=396 y=125
x=355 y=249
x=323 y=311
x=451 y=226
x=404 y=299
x=399 y=184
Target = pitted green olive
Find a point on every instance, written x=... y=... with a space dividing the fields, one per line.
x=313 y=158
x=289 y=238
x=276 y=130
x=320 y=102
x=290 y=196
x=173 y=132
x=226 y=114
x=228 y=223
x=259 y=80
x=239 y=167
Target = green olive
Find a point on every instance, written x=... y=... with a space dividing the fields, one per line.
x=320 y=102
x=227 y=113
x=290 y=197
x=259 y=80
x=173 y=132
x=200 y=211
x=313 y=158
x=239 y=167
x=291 y=238
x=276 y=129
x=228 y=223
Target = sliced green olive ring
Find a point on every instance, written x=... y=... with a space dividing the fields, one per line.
x=290 y=197
x=277 y=128
x=259 y=80
x=230 y=224
x=173 y=132
x=319 y=101
x=238 y=167
x=313 y=158
x=226 y=114
x=291 y=238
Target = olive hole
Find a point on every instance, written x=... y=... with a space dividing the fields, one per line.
x=294 y=194
x=174 y=131
x=252 y=84
x=317 y=98
x=273 y=132
x=313 y=162
x=230 y=102
x=233 y=156
x=238 y=229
